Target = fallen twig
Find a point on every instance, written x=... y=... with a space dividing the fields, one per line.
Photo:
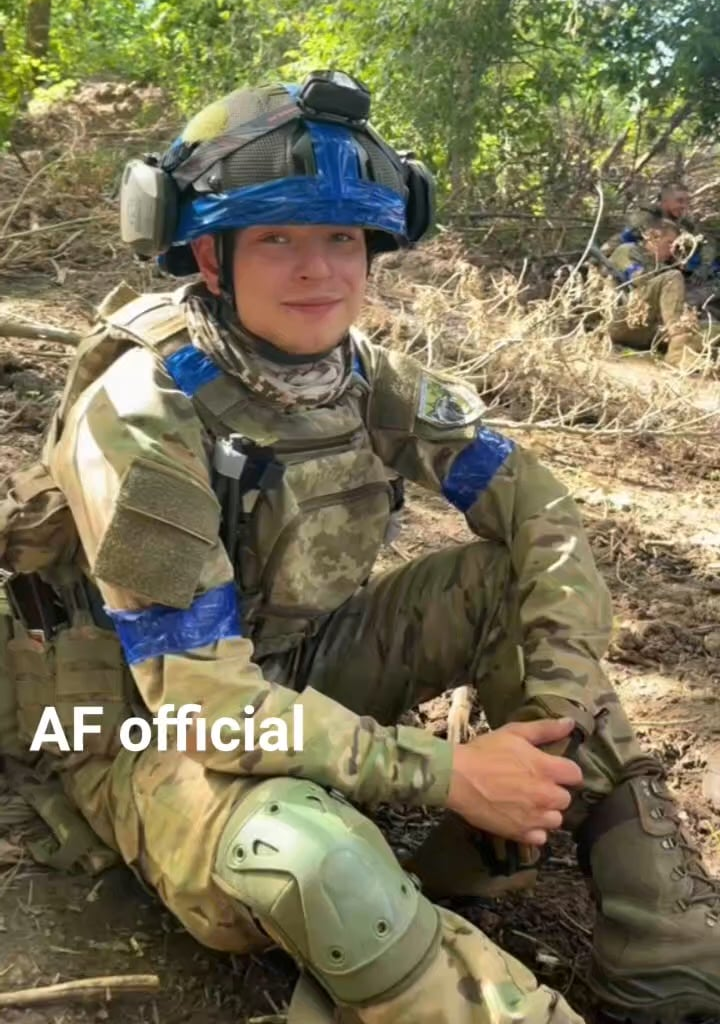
x=83 y=990
x=593 y=234
x=43 y=332
x=673 y=723
x=18 y=202
x=58 y=225
x=14 y=418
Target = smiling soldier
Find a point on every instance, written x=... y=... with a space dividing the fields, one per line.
x=232 y=455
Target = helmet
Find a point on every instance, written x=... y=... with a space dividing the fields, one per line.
x=275 y=155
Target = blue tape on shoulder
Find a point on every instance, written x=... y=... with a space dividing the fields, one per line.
x=632 y=270
x=357 y=366
x=190 y=369
x=474 y=468
x=694 y=262
x=158 y=630
x=630 y=235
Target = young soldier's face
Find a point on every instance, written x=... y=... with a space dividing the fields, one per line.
x=299 y=287
x=676 y=203
x=661 y=244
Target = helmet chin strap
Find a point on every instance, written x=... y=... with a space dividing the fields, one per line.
x=224 y=257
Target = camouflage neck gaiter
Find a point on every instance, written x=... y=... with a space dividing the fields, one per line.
x=292 y=385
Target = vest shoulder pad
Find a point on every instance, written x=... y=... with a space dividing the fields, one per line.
x=150 y=319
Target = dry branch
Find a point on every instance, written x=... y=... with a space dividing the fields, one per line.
x=42 y=332
x=85 y=990
x=546 y=365
x=57 y=226
x=676 y=120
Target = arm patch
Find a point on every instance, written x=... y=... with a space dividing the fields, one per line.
x=408 y=398
x=446 y=403
x=161 y=530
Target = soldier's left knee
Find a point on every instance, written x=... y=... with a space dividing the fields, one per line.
x=326 y=886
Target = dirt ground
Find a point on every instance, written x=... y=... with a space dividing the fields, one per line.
x=655 y=528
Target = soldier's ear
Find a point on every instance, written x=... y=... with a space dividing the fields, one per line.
x=206 y=257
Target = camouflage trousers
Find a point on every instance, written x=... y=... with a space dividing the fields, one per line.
x=656 y=315
x=446 y=619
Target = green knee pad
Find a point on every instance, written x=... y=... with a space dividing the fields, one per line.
x=323 y=881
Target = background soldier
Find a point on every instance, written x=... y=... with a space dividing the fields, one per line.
x=655 y=313
x=673 y=205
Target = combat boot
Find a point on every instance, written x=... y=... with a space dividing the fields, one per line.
x=656 y=948
x=685 y=350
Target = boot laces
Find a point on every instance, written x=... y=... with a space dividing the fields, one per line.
x=706 y=889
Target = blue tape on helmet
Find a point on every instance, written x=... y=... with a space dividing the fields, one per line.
x=335 y=195
x=336 y=157
x=190 y=369
x=158 y=630
x=474 y=468
x=294 y=201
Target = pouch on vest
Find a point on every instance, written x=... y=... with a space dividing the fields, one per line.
x=82 y=665
x=72 y=844
x=37 y=530
x=301 y=541
x=10 y=744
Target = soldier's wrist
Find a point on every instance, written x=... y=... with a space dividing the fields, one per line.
x=426 y=765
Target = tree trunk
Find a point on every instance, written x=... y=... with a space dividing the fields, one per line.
x=37 y=31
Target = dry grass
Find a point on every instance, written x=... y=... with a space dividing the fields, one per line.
x=59 y=183
x=533 y=345
x=543 y=365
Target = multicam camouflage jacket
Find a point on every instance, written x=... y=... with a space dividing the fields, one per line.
x=703 y=257
x=149 y=426
x=635 y=262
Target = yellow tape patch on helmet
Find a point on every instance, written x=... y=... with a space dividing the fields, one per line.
x=208 y=124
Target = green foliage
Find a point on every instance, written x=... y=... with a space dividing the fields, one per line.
x=44 y=97
x=513 y=100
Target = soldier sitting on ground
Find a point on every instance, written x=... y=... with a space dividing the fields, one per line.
x=673 y=204
x=232 y=454
x=653 y=312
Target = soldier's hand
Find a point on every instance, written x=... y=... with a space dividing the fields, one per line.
x=502 y=784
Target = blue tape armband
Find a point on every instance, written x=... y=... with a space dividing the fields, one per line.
x=158 y=630
x=475 y=466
